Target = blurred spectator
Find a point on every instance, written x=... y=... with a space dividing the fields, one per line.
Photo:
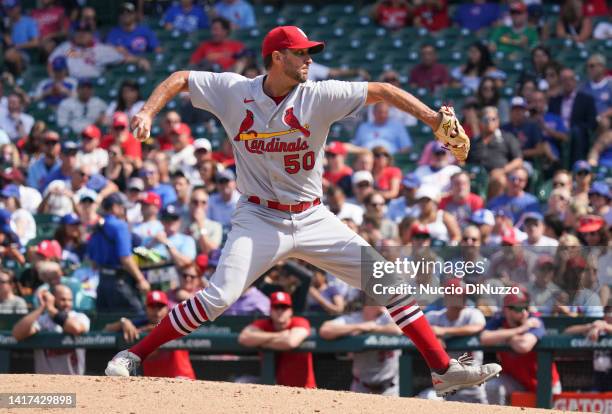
x=219 y=50
x=31 y=146
x=81 y=110
x=479 y=64
x=110 y=249
x=134 y=187
x=21 y=35
x=86 y=17
x=207 y=233
x=554 y=132
x=170 y=243
x=10 y=249
x=9 y=302
x=579 y=284
x=90 y=153
x=383 y=131
x=374 y=372
x=540 y=58
x=578 y=111
x=162 y=160
x=592 y=231
x=128 y=101
x=120 y=134
x=164 y=139
x=323 y=297
x=432 y=15
x=472 y=240
x=150 y=226
x=59 y=86
x=251 y=302
x=221 y=205
x=161 y=363
x=572 y=23
x=406 y=204
x=52 y=25
x=130 y=37
x=190 y=282
x=457 y=320
x=477 y=15
x=57 y=199
x=552 y=72
x=599 y=87
x=461 y=202
x=599 y=198
x=533 y=225
x=363 y=185
x=603 y=29
x=70 y=238
x=543 y=292
x=317 y=72
x=15 y=122
x=428 y=73
x=519 y=37
x=207 y=170
x=336 y=172
x=185 y=17
x=337 y=204
x=392 y=14
x=558 y=201
x=392 y=77
x=438 y=172
x=601 y=151
x=520 y=330
x=375 y=210
x=183 y=157
x=527 y=132
x=202 y=152
x=469 y=120
x=68 y=163
x=182 y=188
x=386 y=177
x=516 y=199
x=55 y=314
x=88 y=58
x=283 y=332
x=488 y=94
x=38 y=170
x=239 y=12
x=440 y=224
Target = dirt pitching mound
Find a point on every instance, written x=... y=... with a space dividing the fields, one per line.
x=103 y=395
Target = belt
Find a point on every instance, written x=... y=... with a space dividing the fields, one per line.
x=289 y=208
x=378 y=387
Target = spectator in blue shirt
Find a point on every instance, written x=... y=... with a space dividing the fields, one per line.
x=39 y=169
x=186 y=17
x=554 y=132
x=150 y=175
x=527 y=132
x=130 y=37
x=383 y=131
x=238 y=12
x=23 y=35
x=171 y=243
x=477 y=15
x=516 y=199
x=222 y=204
x=59 y=86
x=599 y=87
x=110 y=248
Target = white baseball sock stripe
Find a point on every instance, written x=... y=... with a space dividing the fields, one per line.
x=408 y=321
x=181 y=320
x=201 y=318
x=176 y=323
x=404 y=302
x=405 y=312
x=189 y=314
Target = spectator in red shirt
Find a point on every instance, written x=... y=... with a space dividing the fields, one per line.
x=283 y=332
x=392 y=14
x=120 y=134
x=219 y=50
x=432 y=15
x=52 y=25
x=386 y=177
x=461 y=202
x=161 y=363
x=165 y=139
x=521 y=331
x=335 y=170
x=429 y=74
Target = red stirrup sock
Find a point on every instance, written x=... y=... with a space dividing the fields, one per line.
x=183 y=319
x=408 y=316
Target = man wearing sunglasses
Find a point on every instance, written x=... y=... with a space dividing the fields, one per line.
x=39 y=169
x=518 y=329
x=516 y=199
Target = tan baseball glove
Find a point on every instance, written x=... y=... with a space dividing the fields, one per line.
x=451 y=134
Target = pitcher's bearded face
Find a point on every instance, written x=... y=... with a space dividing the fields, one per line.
x=296 y=63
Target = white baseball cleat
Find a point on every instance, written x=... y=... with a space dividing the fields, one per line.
x=122 y=364
x=461 y=374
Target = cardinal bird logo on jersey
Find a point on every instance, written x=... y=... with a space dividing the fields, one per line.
x=245 y=133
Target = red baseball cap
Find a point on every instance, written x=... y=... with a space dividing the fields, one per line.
x=91 y=132
x=454 y=282
x=509 y=237
x=201 y=262
x=518 y=6
x=521 y=298
x=288 y=37
x=280 y=298
x=157 y=297
x=151 y=198
x=50 y=249
x=418 y=229
x=337 y=148
x=120 y=119
x=181 y=128
x=590 y=223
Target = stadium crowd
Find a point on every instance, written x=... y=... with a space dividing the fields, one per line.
x=92 y=220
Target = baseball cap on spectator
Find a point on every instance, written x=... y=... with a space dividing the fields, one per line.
x=69 y=147
x=289 y=37
x=91 y=132
x=151 y=198
x=517 y=299
x=49 y=249
x=113 y=199
x=455 y=282
x=201 y=262
x=545 y=260
x=411 y=180
x=181 y=128
x=600 y=188
x=437 y=148
x=280 y=299
x=483 y=216
x=509 y=237
x=518 y=6
x=127 y=7
x=120 y=119
x=361 y=176
x=530 y=215
x=428 y=191
x=170 y=213
x=136 y=183
x=59 y=63
x=336 y=148
x=9 y=191
x=503 y=211
x=85 y=82
x=213 y=257
x=87 y=194
x=518 y=102
x=419 y=229
x=70 y=218
x=12 y=175
x=5 y=218
x=202 y=144
x=581 y=165
x=157 y=297
x=576 y=262
x=225 y=176
x=590 y=223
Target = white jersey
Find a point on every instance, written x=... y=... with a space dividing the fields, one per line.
x=279 y=149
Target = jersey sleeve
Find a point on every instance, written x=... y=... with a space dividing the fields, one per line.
x=494 y=323
x=336 y=100
x=538 y=331
x=209 y=91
